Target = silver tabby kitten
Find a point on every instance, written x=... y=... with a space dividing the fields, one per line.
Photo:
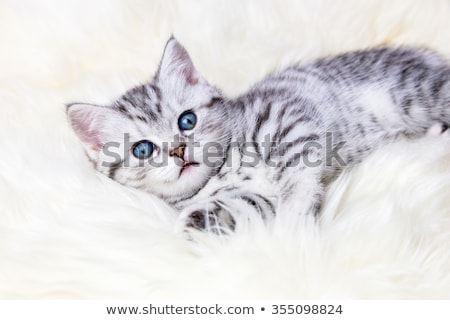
x=269 y=150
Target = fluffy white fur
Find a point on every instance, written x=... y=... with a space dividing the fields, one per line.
x=69 y=232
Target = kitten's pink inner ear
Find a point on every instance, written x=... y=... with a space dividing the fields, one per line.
x=176 y=59
x=91 y=139
x=85 y=123
x=188 y=69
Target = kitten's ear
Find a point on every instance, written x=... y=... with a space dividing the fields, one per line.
x=94 y=125
x=176 y=62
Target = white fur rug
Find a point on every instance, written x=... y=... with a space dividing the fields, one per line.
x=67 y=232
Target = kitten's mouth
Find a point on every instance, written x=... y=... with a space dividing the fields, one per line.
x=187 y=165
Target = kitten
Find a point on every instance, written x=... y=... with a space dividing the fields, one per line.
x=269 y=150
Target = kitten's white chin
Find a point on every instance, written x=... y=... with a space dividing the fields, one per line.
x=187 y=181
x=191 y=177
x=187 y=170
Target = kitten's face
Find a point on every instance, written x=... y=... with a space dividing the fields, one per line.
x=156 y=136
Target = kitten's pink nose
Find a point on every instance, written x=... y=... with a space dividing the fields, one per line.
x=178 y=152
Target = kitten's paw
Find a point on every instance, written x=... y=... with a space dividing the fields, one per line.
x=211 y=218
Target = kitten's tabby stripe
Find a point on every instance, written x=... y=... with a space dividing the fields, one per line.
x=405 y=104
x=113 y=168
x=288 y=146
x=157 y=102
x=316 y=204
x=129 y=101
x=438 y=83
x=305 y=73
x=264 y=94
x=295 y=159
x=304 y=108
x=213 y=101
x=260 y=120
x=254 y=201
x=143 y=119
x=228 y=189
x=287 y=129
x=281 y=112
x=283 y=165
x=124 y=111
x=267 y=202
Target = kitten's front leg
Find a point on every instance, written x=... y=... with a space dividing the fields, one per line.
x=300 y=191
x=225 y=210
x=303 y=198
x=300 y=195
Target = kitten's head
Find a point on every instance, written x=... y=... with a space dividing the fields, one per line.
x=157 y=136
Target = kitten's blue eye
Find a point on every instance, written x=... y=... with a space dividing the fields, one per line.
x=143 y=149
x=187 y=121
